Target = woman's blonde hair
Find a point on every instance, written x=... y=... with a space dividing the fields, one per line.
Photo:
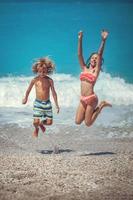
x=41 y=61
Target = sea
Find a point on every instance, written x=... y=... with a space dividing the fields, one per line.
x=32 y=29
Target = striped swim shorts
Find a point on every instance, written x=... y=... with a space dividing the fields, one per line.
x=42 y=110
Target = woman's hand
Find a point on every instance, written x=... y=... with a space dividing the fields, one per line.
x=104 y=34
x=80 y=34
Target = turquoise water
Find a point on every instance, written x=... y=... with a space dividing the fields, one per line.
x=33 y=29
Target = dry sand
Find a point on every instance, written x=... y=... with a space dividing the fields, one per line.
x=105 y=171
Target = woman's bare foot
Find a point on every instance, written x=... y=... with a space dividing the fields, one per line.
x=35 y=133
x=42 y=128
x=104 y=104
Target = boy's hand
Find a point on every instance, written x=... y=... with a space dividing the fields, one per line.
x=24 y=101
x=58 y=109
x=104 y=34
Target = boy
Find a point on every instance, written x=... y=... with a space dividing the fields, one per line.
x=43 y=84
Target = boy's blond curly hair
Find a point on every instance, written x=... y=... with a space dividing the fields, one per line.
x=44 y=60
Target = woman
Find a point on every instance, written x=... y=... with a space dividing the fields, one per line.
x=88 y=110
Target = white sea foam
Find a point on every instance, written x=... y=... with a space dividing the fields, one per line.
x=112 y=89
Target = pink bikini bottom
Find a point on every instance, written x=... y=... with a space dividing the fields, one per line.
x=89 y=100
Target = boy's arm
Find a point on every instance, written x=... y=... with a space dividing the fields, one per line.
x=80 y=55
x=54 y=94
x=24 y=101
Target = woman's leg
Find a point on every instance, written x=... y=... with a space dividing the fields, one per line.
x=98 y=110
x=91 y=113
x=80 y=115
x=88 y=115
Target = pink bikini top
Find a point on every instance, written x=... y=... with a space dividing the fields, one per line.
x=87 y=76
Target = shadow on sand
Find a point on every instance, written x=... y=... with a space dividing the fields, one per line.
x=98 y=153
x=55 y=151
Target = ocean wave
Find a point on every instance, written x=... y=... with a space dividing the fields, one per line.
x=112 y=89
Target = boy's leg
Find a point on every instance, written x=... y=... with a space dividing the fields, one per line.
x=45 y=122
x=47 y=115
x=42 y=127
x=36 y=123
x=48 y=121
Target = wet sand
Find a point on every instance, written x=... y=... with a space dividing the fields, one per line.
x=84 y=168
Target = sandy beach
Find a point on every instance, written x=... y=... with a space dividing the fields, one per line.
x=68 y=161
x=83 y=169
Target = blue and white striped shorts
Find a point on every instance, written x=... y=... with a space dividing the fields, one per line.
x=42 y=110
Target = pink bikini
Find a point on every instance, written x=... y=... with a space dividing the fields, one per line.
x=88 y=76
x=88 y=100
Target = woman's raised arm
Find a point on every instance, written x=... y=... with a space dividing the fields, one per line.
x=80 y=55
x=104 y=35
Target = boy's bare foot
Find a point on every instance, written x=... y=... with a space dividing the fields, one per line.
x=42 y=128
x=35 y=133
